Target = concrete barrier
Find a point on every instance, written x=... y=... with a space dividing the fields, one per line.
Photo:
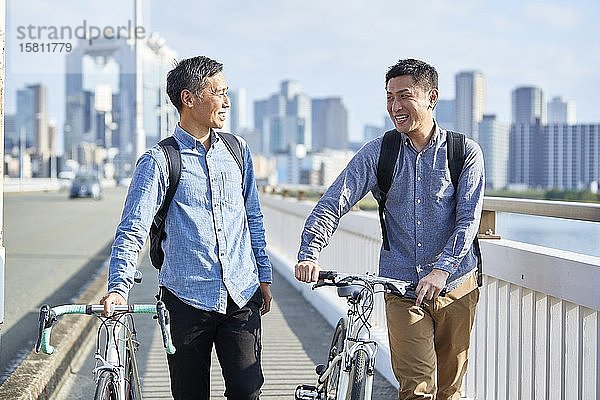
x=40 y=375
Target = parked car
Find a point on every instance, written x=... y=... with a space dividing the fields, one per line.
x=86 y=186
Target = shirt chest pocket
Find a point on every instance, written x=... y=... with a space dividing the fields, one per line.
x=232 y=187
x=440 y=186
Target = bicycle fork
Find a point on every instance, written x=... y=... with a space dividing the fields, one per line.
x=346 y=360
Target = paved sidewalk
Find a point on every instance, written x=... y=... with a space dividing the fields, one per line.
x=295 y=339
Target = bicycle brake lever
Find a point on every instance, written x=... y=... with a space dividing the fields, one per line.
x=320 y=283
x=46 y=320
x=41 y=324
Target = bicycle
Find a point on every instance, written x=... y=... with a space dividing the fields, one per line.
x=350 y=367
x=115 y=372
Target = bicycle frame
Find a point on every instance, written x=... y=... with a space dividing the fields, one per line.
x=359 y=291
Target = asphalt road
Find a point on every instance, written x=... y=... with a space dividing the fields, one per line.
x=54 y=245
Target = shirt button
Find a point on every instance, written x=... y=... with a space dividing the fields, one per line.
x=219 y=230
x=222 y=254
x=418 y=244
x=418 y=222
x=418 y=178
x=418 y=200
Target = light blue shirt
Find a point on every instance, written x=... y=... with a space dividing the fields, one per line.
x=429 y=224
x=215 y=242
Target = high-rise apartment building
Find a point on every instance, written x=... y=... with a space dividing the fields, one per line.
x=494 y=142
x=528 y=105
x=470 y=101
x=561 y=111
x=571 y=156
x=329 y=124
x=525 y=157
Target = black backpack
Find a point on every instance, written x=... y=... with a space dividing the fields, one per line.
x=171 y=149
x=391 y=146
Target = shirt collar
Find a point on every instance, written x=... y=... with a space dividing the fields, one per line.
x=432 y=141
x=188 y=140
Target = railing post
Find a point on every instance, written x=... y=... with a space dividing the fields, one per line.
x=487 y=225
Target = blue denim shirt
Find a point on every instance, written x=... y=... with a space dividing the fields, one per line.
x=429 y=224
x=215 y=242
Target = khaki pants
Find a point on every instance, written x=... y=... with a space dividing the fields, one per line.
x=429 y=344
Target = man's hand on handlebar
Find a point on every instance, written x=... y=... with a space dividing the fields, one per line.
x=111 y=299
x=307 y=271
x=431 y=285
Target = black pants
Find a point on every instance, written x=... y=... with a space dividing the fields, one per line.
x=236 y=336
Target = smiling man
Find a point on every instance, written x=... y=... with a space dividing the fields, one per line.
x=430 y=224
x=215 y=275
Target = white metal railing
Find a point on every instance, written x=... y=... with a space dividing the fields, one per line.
x=537 y=331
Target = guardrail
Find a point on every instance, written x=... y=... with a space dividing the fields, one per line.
x=537 y=332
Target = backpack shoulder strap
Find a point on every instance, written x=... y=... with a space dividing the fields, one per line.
x=388 y=155
x=455 y=142
x=171 y=149
x=456 y=161
x=235 y=148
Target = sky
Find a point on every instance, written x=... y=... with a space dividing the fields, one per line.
x=343 y=48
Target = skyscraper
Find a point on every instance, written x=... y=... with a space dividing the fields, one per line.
x=528 y=105
x=284 y=119
x=329 y=124
x=493 y=138
x=31 y=126
x=470 y=102
x=103 y=75
x=561 y=111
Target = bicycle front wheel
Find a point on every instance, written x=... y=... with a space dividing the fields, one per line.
x=358 y=376
x=106 y=387
x=337 y=346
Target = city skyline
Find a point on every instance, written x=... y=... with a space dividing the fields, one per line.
x=525 y=44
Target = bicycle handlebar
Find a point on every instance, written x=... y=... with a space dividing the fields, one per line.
x=334 y=278
x=49 y=316
x=394 y=286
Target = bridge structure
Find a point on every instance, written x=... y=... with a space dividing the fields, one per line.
x=537 y=332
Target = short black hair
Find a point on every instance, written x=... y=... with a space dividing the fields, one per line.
x=423 y=74
x=190 y=74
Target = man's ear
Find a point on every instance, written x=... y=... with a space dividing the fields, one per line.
x=433 y=97
x=187 y=98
